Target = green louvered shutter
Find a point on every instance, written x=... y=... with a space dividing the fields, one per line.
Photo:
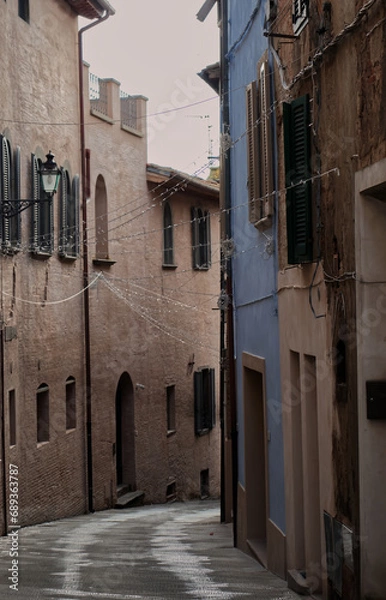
x=5 y=187
x=16 y=219
x=298 y=184
x=35 y=194
x=198 y=401
x=75 y=193
x=63 y=234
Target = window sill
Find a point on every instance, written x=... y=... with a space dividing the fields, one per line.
x=40 y=254
x=203 y=432
x=67 y=257
x=103 y=262
x=10 y=250
x=264 y=223
x=167 y=266
x=71 y=430
x=170 y=432
x=41 y=444
x=203 y=268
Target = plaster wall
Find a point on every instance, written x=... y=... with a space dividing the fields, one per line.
x=254 y=263
x=370 y=219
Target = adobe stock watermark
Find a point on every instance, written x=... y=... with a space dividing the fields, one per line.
x=184 y=94
x=13 y=509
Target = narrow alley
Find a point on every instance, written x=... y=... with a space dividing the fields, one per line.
x=153 y=552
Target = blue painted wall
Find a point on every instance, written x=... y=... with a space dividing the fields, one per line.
x=254 y=270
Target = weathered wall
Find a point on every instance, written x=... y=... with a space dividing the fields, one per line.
x=148 y=322
x=346 y=85
x=39 y=113
x=254 y=267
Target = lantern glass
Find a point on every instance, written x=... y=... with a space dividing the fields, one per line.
x=50 y=175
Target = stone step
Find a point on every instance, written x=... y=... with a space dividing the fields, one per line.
x=298 y=583
x=130 y=499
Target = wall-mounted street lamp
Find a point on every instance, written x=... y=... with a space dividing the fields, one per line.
x=49 y=174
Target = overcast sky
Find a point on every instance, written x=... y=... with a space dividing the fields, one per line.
x=156 y=49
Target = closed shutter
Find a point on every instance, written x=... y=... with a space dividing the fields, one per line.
x=195 y=238
x=265 y=139
x=16 y=219
x=5 y=187
x=299 y=14
x=208 y=240
x=35 y=194
x=168 y=235
x=253 y=152
x=75 y=193
x=204 y=401
x=63 y=235
x=198 y=400
x=299 y=189
x=50 y=229
x=212 y=398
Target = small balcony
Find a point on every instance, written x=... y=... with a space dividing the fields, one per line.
x=111 y=104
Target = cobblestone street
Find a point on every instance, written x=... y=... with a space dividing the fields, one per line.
x=154 y=552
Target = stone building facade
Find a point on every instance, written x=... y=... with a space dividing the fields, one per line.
x=326 y=79
x=87 y=322
x=329 y=86
x=153 y=323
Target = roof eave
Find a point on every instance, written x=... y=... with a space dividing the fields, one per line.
x=91 y=9
x=159 y=175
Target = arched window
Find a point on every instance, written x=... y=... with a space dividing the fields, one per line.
x=168 y=258
x=201 y=238
x=10 y=195
x=42 y=234
x=101 y=220
x=69 y=216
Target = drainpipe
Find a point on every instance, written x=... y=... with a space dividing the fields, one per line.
x=86 y=296
x=227 y=339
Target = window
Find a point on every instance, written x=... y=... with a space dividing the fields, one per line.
x=171 y=408
x=12 y=417
x=200 y=238
x=42 y=235
x=42 y=414
x=69 y=216
x=259 y=148
x=24 y=10
x=168 y=257
x=299 y=15
x=204 y=484
x=204 y=401
x=171 y=491
x=298 y=171
x=101 y=220
x=10 y=195
x=70 y=404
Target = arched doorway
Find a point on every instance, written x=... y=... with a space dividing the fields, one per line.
x=125 y=436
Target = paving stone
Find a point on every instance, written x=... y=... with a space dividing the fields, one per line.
x=161 y=552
